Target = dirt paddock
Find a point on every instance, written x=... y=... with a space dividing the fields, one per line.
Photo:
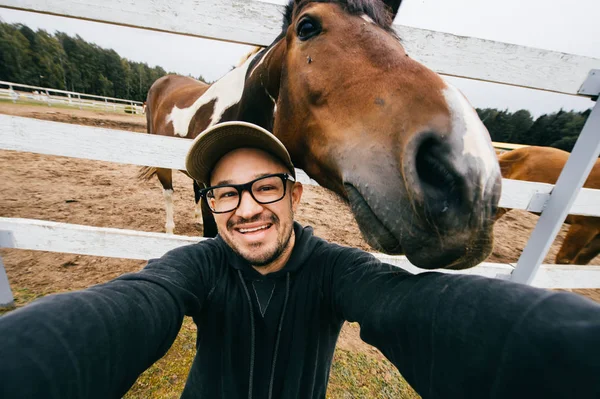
x=109 y=195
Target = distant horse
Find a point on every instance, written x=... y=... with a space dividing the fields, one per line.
x=544 y=164
x=391 y=137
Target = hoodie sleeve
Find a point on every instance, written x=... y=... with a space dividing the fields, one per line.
x=96 y=342
x=461 y=336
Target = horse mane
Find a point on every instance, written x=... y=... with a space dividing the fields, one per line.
x=374 y=9
x=244 y=58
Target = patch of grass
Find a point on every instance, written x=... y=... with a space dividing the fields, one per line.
x=166 y=378
x=357 y=375
x=22 y=297
x=4 y=310
x=38 y=104
x=98 y=108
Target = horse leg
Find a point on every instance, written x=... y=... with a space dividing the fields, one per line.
x=165 y=176
x=577 y=238
x=210 y=226
x=589 y=252
x=198 y=207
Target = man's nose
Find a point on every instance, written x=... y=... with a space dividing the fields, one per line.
x=248 y=206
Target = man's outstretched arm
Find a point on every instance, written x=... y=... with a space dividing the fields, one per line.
x=460 y=336
x=94 y=343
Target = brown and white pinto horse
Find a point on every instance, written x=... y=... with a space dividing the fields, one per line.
x=544 y=164
x=390 y=136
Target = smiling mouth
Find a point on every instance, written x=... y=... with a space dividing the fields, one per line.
x=250 y=230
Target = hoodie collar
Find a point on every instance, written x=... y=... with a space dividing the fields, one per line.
x=303 y=246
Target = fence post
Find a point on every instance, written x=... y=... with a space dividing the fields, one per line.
x=13 y=94
x=6 y=298
x=580 y=163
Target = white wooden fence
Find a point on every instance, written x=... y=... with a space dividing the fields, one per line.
x=257 y=22
x=17 y=92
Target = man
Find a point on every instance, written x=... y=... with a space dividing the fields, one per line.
x=269 y=299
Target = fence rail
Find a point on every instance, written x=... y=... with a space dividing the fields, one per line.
x=69 y=98
x=43 y=235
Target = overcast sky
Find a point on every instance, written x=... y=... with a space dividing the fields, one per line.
x=571 y=27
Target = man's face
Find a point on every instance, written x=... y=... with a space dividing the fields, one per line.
x=259 y=233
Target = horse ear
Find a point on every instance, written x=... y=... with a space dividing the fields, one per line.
x=394 y=5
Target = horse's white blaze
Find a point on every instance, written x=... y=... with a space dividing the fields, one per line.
x=476 y=139
x=170 y=223
x=227 y=92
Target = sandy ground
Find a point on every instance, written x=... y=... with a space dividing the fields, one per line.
x=109 y=195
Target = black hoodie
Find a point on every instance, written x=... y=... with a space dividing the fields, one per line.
x=451 y=336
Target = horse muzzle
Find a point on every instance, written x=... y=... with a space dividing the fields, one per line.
x=437 y=208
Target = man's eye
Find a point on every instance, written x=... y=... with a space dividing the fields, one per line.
x=266 y=188
x=228 y=194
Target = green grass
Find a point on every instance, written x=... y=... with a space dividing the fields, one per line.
x=361 y=376
x=23 y=296
x=66 y=106
x=166 y=378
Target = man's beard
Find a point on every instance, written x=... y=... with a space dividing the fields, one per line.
x=268 y=257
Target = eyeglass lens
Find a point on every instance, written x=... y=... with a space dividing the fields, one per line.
x=265 y=190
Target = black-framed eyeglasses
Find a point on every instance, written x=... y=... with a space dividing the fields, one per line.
x=264 y=190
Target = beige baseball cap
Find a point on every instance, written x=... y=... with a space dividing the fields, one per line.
x=216 y=141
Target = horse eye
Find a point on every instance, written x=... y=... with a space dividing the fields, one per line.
x=307 y=28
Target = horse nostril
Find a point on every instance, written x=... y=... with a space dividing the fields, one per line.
x=439 y=181
x=430 y=168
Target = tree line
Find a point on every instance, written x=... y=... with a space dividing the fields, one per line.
x=559 y=129
x=60 y=61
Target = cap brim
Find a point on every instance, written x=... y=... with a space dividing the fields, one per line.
x=216 y=141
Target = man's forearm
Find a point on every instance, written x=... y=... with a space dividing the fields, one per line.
x=87 y=344
x=470 y=337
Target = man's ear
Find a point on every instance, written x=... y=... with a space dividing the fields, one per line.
x=297 y=190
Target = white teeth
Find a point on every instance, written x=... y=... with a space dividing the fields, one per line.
x=254 y=229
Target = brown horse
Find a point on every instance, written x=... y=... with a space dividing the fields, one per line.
x=544 y=164
x=390 y=136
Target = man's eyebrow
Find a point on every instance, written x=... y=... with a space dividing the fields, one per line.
x=256 y=176
x=221 y=182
